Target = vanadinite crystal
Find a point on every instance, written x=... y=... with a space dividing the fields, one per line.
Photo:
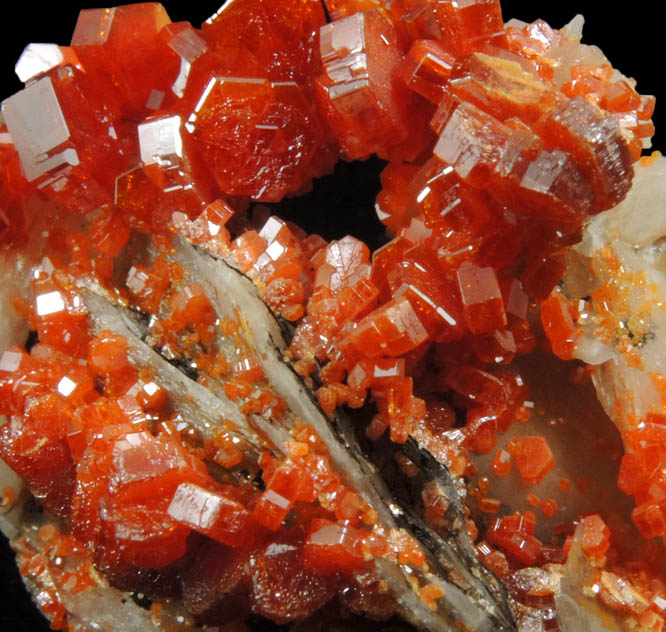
x=153 y=428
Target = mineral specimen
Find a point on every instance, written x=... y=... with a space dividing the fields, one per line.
x=242 y=421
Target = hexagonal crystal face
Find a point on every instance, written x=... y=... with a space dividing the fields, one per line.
x=37 y=127
x=93 y=27
x=37 y=59
x=160 y=141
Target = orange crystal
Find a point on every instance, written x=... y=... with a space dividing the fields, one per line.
x=533 y=459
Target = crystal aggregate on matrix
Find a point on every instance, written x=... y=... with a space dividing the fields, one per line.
x=189 y=468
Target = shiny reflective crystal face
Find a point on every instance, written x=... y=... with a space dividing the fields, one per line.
x=192 y=454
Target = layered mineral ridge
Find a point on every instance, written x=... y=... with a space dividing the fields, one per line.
x=181 y=450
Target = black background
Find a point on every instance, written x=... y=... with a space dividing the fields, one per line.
x=631 y=37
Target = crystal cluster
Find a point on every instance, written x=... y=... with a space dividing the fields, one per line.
x=500 y=144
x=613 y=320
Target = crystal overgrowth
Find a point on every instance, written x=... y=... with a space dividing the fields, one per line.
x=209 y=484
